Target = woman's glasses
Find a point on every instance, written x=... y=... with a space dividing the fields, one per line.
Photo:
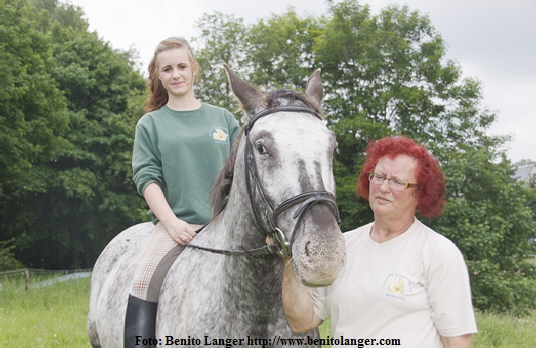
x=393 y=183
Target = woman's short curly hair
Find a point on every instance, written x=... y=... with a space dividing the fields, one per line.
x=430 y=190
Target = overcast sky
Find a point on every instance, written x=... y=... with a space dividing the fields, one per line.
x=493 y=41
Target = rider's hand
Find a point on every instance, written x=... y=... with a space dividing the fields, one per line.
x=180 y=231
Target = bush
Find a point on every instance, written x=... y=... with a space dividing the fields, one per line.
x=7 y=259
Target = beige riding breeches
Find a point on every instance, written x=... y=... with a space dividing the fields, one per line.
x=158 y=255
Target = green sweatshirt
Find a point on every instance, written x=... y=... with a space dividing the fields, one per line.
x=183 y=152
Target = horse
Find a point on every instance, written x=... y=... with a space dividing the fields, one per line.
x=225 y=287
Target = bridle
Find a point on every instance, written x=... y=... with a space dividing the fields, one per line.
x=265 y=214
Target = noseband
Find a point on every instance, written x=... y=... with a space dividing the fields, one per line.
x=265 y=215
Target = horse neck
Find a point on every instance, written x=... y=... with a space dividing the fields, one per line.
x=237 y=216
x=251 y=286
x=244 y=273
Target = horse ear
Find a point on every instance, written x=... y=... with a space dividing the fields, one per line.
x=249 y=98
x=314 y=88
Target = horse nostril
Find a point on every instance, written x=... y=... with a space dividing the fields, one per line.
x=307 y=249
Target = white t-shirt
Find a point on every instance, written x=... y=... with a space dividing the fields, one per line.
x=414 y=288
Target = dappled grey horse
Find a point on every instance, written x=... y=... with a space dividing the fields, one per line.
x=226 y=286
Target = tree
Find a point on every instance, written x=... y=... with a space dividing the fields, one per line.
x=280 y=51
x=221 y=41
x=33 y=116
x=274 y=53
x=79 y=197
x=387 y=75
x=488 y=218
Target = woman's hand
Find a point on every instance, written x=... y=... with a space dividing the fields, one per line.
x=179 y=230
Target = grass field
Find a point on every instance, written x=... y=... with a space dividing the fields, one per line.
x=494 y=331
x=51 y=316
x=55 y=316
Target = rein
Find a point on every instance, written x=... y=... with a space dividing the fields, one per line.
x=266 y=220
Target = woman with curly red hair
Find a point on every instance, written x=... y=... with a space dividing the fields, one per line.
x=402 y=280
x=430 y=192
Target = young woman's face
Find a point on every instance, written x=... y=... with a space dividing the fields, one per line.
x=176 y=71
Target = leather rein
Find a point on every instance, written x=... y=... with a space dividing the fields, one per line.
x=265 y=215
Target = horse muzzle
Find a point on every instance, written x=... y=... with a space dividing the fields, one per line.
x=319 y=250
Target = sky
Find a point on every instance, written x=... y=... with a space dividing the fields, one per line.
x=493 y=41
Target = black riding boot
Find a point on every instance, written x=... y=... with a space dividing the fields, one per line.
x=140 y=321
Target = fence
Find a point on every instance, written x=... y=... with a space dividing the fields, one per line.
x=61 y=276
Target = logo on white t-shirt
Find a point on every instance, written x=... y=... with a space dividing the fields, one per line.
x=397 y=286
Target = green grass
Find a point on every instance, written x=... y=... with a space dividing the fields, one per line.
x=51 y=316
x=494 y=331
x=55 y=316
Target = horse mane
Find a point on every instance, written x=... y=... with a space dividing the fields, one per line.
x=222 y=187
x=274 y=99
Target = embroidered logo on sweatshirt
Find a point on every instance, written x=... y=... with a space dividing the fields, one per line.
x=220 y=134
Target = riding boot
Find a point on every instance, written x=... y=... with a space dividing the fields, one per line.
x=140 y=321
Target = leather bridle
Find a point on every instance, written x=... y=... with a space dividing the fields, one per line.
x=265 y=214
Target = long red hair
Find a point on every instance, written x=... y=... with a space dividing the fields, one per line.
x=159 y=95
x=430 y=190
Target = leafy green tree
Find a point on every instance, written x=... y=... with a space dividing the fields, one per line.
x=33 y=117
x=75 y=201
x=280 y=51
x=221 y=41
x=487 y=216
x=386 y=75
x=272 y=54
x=32 y=107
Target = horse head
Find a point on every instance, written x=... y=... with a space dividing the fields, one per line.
x=286 y=152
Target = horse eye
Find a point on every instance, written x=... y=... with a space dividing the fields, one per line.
x=261 y=149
